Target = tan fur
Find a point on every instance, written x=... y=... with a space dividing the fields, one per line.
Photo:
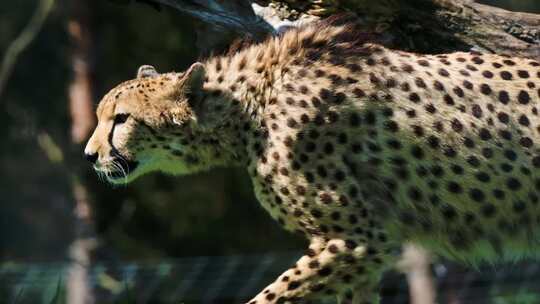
x=355 y=146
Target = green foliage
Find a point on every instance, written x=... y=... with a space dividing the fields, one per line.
x=18 y=296
x=60 y=294
x=128 y=297
x=522 y=297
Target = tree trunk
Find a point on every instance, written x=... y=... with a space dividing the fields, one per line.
x=83 y=122
x=426 y=26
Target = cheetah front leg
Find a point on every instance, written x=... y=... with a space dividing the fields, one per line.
x=287 y=281
x=328 y=269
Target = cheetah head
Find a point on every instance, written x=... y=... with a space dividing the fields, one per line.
x=148 y=124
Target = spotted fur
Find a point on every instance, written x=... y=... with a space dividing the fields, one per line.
x=357 y=147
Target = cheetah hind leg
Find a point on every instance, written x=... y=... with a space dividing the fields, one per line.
x=329 y=268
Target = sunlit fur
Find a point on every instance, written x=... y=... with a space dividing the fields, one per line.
x=357 y=147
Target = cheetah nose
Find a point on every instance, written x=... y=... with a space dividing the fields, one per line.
x=91 y=157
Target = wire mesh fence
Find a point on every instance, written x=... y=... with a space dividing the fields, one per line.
x=234 y=279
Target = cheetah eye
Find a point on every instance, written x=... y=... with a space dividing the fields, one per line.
x=120 y=118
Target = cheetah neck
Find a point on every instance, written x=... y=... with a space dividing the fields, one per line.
x=229 y=114
x=237 y=91
x=242 y=89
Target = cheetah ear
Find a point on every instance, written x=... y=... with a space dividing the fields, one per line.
x=192 y=81
x=188 y=90
x=146 y=71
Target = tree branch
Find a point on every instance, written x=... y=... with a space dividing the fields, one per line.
x=494 y=29
x=23 y=40
x=429 y=26
x=235 y=16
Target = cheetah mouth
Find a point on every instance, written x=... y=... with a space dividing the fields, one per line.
x=125 y=168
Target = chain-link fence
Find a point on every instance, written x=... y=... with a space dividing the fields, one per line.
x=234 y=279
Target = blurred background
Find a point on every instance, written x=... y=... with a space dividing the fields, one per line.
x=156 y=240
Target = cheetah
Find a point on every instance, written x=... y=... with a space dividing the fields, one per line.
x=357 y=147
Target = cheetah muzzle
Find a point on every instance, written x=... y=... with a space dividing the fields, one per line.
x=125 y=167
x=357 y=147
